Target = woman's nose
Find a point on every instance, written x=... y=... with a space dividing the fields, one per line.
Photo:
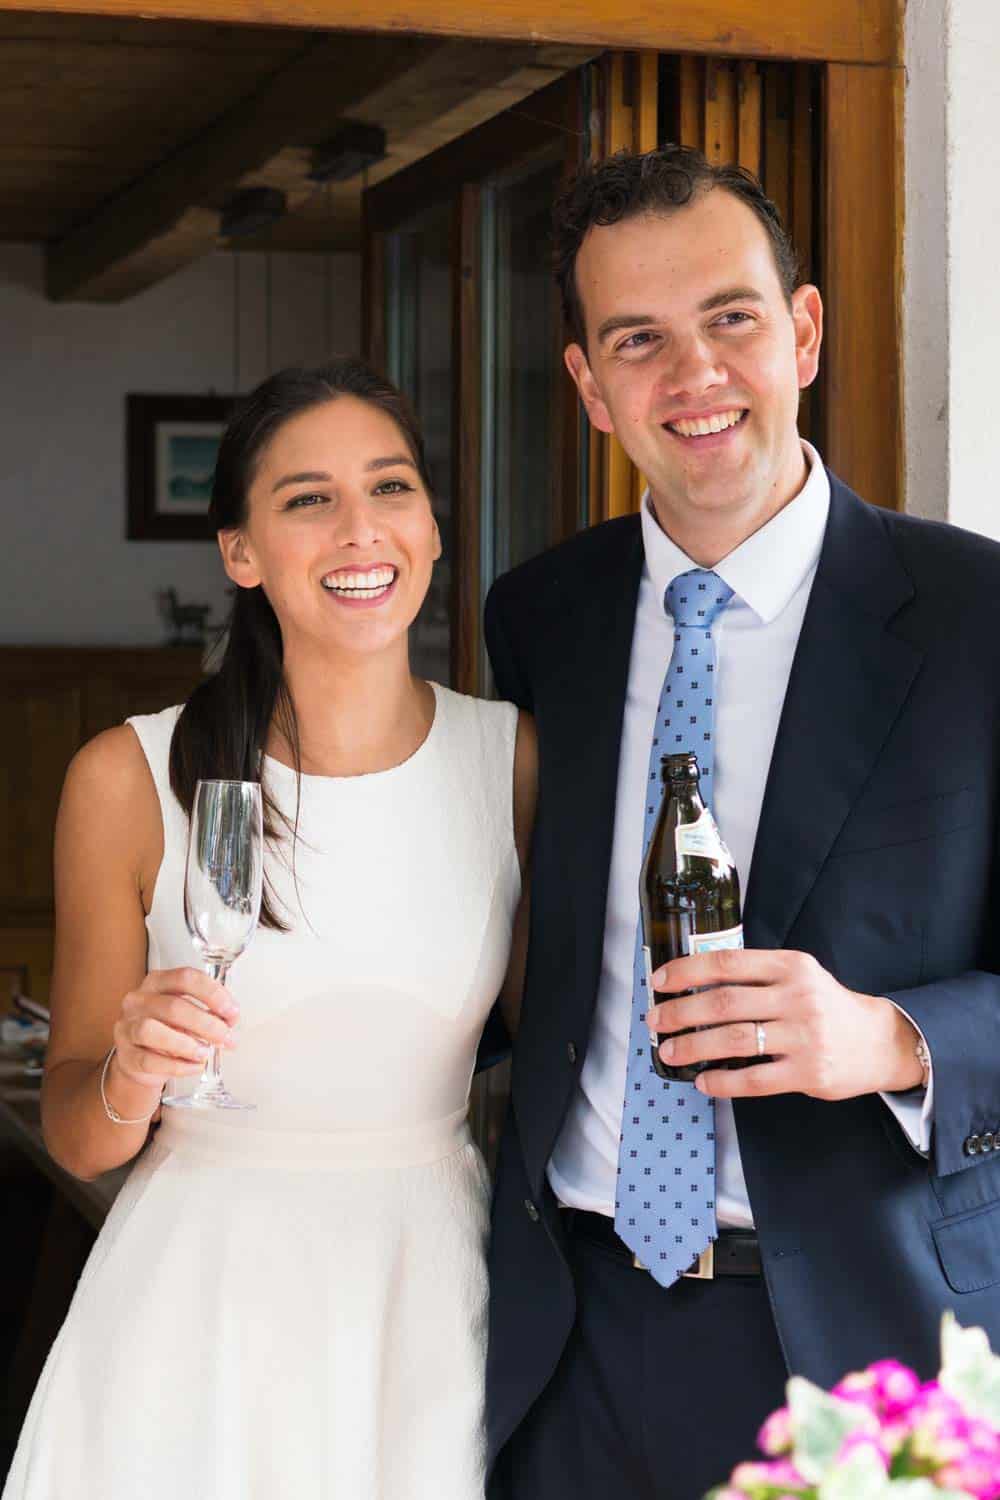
x=357 y=521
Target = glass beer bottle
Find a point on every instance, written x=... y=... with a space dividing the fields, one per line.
x=689 y=893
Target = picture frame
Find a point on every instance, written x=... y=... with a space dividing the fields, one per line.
x=171 y=442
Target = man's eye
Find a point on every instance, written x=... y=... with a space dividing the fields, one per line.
x=734 y=319
x=635 y=341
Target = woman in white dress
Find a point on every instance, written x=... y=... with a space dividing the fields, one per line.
x=289 y=1301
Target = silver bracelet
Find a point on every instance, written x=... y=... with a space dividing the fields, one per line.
x=109 y=1110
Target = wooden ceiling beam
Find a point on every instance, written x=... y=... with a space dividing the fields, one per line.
x=134 y=239
x=170 y=216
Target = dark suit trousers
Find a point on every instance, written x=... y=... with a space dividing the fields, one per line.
x=659 y=1393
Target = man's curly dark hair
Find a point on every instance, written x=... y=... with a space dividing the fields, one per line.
x=627 y=184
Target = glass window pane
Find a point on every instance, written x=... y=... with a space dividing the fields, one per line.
x=419 y=348
x=523 y=329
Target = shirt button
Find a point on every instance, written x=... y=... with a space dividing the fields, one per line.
x=987 y=1141
x=571 y=1051
x=532 y=1210
x=971 y=1146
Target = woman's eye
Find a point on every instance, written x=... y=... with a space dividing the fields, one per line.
x=393 y=487
x=298 y=501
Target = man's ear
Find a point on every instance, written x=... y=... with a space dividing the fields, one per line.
x=807 y=315
x=237 y=559
x=583 y=379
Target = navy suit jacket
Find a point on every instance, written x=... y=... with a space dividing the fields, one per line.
x=876 y=852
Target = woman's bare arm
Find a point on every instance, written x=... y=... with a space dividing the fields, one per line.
x=525 y=800
x=108 y=850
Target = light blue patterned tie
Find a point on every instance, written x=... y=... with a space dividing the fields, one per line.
x=665 y=1203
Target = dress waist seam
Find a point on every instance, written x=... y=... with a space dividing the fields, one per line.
x=207 y=1139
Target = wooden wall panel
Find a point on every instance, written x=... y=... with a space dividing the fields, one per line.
x=54 y=699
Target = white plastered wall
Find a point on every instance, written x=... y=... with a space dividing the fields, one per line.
x=952 y=261
x=67 y=573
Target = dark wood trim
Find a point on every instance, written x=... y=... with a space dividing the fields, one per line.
x=467 y=433
x=860 y=31
x=863 y=413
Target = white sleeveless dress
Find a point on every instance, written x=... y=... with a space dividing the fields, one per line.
x=291 y=1302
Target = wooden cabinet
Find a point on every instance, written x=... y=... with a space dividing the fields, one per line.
x=52 y=700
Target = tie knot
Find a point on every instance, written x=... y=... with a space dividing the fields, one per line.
x=694 y=599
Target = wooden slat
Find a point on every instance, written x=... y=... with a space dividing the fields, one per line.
x=721 y=111
x=777 y=136
x=749 y=104
x=691 y=102
x=867 y=31
x=863 y=139
x=646 y=134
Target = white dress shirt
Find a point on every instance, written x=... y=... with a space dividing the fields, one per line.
x=771 y=575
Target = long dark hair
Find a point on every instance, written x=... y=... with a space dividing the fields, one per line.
x=221 y=732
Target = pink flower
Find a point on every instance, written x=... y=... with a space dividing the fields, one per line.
x=776 y=1434
x=896 y=1384
x=856 y=1440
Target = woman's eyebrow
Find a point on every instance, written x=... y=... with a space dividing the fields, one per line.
x=306 y=478
x=390 y=463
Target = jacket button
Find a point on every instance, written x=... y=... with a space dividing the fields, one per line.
x=571 y=1051
x=532 y=1210
x=987 y=1141
x=971 y=1146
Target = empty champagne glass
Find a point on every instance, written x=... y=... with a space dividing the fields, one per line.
x=222 y=893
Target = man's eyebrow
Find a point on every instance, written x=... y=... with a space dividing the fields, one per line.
x=623 y=320
x=643 y=320
x=731 y=294
x=306 y=478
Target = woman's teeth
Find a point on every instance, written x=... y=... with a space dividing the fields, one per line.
x=360 y=585
x=702 y=426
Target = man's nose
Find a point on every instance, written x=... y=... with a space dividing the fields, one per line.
x=691 y=368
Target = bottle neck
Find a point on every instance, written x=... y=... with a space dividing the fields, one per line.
x=688 y=800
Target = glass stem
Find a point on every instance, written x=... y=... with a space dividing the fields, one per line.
x=211 y=1078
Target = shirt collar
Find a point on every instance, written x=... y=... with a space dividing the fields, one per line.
x=771 y=565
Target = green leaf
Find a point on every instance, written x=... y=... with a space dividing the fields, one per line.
x=970 y=1371
x=862 y=1476
x=820 y=1423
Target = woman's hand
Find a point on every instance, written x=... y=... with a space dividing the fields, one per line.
x=168 y=1024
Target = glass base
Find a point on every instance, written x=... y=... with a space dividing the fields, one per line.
x=205 y=1099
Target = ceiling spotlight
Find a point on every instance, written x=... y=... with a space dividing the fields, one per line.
x=250 y=210
x=354 y=147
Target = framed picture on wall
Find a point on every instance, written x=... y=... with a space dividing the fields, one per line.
x=171 y=446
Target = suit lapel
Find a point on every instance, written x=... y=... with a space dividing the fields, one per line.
x=849 y=680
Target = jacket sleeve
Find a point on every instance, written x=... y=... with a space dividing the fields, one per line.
x=960 y=1019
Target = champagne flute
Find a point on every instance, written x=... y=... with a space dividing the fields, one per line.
x=222 y=893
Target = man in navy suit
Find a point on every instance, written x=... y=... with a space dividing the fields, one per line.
x=828 y=1201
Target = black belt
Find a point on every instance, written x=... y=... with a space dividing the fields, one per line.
x=736 y=1252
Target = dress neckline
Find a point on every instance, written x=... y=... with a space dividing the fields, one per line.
x=418 y=755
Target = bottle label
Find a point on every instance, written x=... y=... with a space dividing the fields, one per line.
x=711 y=942
x=647 y=959
x=702 y=838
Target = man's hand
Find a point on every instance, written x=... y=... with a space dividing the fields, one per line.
x=825 y=1040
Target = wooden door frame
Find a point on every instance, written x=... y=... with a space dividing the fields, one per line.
x=861 y=43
